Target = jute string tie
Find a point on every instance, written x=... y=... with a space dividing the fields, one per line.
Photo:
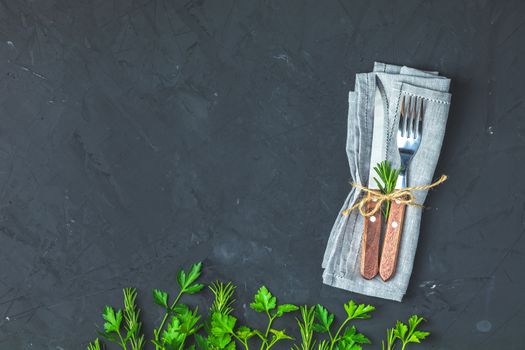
x=401 y=195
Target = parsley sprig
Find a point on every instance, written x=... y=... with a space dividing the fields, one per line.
x=184 y=321
x=345 y=337
x=404 y=334
x=265 y=302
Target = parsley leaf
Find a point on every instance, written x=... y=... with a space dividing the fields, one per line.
x=324 y=317
x=113 y=319
x=401 y=330
x=360 y=311
x=263 y=300
x=185 y=280
x=221 y=329
x=351 y=335
x=173 y=335
x=160 y=297
x=285 y=308
x=279 y=334
x=189 y=321
x=222 y=324
x=244 y=333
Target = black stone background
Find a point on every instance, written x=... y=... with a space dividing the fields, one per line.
x=139 y=136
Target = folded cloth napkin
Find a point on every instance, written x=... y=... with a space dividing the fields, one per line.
x=373 y=116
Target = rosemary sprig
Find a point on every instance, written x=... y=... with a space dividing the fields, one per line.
x=223 y=301
x=132 y=321
x=387 y=185
x=306 y=326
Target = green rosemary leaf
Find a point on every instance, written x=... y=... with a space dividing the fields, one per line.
x=306 y=327
x=94 y=345
x=386 y=182
x=380 y=185
x=223 y=297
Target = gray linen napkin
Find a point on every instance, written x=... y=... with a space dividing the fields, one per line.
x=374 y=110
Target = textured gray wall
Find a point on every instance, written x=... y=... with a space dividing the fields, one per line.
x=138 y=136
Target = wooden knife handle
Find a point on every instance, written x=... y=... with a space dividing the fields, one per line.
x=370 y=244
x=392 y=240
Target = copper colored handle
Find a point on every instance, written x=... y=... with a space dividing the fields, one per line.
x=392 y=240
x=370 y=244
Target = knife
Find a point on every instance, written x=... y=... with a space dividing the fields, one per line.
x=372 y=224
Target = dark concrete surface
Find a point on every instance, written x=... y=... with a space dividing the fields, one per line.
x=139 y=136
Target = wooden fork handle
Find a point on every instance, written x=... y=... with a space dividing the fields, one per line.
x=392 y=240
x=370 y=244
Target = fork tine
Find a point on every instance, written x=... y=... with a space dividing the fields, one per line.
x=413 y=116
x=407 y=117
x=416 y=117
x=404 y=116
x=402 y=113
x=419 y=123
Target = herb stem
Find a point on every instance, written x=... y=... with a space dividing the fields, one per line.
x=265 y=341
x=244 y=343
x=122 y=342
x=159 y=330
x=335 y=339
x=272 y=343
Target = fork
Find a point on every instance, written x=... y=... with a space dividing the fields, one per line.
x=408 y=140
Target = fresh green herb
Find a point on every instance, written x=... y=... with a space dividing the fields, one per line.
x=345 y=337
x=95 y=345
x=306 y=327
x=125 y=332
x=182 y=327
x=388 y=177
x=184 y=322
x=265 y=302
x=220 y=326
x=405 y=334
x=222 y=331
x=223 y=297
x=390 y=340
x=131 y=318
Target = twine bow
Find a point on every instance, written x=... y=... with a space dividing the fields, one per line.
x=401 y=195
